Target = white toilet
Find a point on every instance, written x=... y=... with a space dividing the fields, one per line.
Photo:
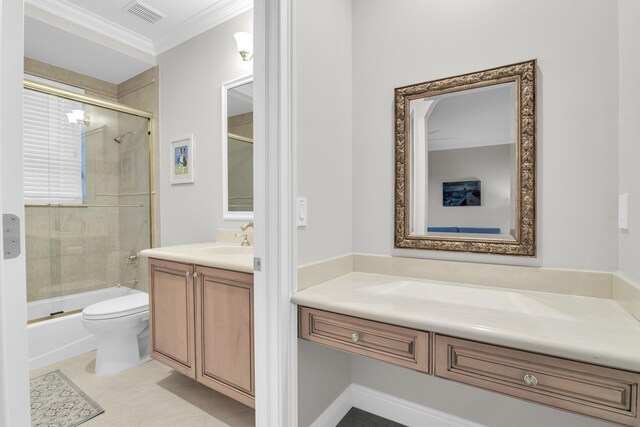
x=121 y=326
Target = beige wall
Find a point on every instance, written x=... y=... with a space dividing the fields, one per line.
x=92 y=86
x=142 y=92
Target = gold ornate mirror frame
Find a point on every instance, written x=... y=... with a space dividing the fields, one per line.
x=524 y=76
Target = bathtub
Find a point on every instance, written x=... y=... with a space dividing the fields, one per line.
x=60 y=338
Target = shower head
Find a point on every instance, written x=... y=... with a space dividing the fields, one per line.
x=122 y=136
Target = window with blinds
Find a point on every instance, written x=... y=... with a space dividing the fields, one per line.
x=52 y=150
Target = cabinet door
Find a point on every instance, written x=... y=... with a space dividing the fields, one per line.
x=224 y=327
x=171 y=314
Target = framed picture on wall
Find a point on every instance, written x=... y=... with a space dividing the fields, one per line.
x=182 y=161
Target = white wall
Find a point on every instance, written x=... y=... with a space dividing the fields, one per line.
x=323 y=140
x=629 y=148
x=323 y=373
x=492 y=166
x=191 y=75
x=400 y=43
x=323 y=144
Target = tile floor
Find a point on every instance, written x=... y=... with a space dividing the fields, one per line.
x=151 y=395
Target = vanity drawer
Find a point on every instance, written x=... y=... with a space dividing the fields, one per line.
x=392 y=344
x=591 y=390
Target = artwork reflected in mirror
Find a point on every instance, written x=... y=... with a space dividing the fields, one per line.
x=239 y=150
x=465 y=154
x=465 y=193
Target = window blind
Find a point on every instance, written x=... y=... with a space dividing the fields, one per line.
x=52 y=150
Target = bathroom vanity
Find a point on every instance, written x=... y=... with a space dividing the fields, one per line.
x=201 y=315
x=571 y=352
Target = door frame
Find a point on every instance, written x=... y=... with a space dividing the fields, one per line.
x=275 y=317
x=14 y=363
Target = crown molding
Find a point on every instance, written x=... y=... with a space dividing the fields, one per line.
x=201 y=22
x=215 y=14
x=88 y=20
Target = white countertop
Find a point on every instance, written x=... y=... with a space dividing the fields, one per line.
x=593 y=330
x=200 y=254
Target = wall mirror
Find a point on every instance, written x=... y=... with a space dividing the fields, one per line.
x=237 y=149
x=465 y=162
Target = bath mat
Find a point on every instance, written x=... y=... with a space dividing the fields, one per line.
x=58 y=402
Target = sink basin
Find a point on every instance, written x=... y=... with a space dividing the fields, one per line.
x=228 y=250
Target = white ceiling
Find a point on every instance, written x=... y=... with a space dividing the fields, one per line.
x=473 y=118
x=101 y=39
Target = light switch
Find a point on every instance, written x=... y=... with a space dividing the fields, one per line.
x=623 y=211
x=301 y=208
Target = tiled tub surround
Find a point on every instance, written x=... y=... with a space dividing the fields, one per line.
x=584 y=321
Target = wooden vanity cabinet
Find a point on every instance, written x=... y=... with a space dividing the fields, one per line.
x=224 y=330
x=596 y=391
x=202 y=325
x=393 y=344
x=171 y=312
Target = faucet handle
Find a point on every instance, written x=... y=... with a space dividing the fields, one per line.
x=245 y=239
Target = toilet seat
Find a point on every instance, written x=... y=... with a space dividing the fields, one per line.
x=134 y=303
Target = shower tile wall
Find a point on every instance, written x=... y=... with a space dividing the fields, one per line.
x=141 y=91
x=71 y=250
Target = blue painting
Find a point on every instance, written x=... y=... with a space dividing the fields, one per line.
x=461 y=193
x=181 y=160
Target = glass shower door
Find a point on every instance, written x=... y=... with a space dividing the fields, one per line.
x=87 y=202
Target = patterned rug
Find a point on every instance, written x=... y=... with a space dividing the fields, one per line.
x=57 y=402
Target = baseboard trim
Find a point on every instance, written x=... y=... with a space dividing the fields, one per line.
x=403 y=411
x=387 y=406
x=337 y=410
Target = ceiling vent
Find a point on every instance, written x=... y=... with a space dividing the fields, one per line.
x=143 y=11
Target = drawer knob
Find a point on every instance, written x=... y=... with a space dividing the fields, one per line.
x=355 y=337
x=530 y=380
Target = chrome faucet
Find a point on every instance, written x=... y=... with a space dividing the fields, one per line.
x=245 y=226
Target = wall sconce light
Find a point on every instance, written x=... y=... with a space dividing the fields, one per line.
x=245 y=45
x=78 y=117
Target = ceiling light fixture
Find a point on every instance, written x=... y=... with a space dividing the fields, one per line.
x=78 y=117
x=245 y=45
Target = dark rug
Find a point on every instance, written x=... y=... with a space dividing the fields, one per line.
x=359 y=418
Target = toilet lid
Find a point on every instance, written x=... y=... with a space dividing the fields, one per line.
x=127 y=305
